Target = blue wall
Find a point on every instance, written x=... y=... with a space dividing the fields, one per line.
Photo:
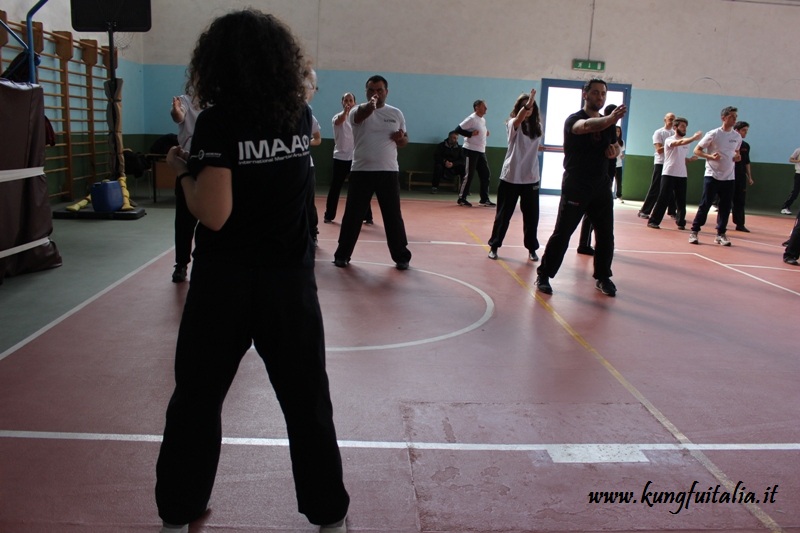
x=433 y=105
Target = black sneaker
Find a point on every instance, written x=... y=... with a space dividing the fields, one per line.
x=179 y=274
x=791 y=261
x=434 y=190
x=543 y=284
x=493 y=253
x=642 y=214
x=327 y=220
x=532 y=256
x=741 y=228
x=585 y=250
x=487 y=203
x=368 y=222
x=402 y=265
x=464 y=202
x=653 y=225
x=341 y=263
x=606 y=286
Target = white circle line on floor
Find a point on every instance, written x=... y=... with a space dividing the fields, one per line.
x=487 y=314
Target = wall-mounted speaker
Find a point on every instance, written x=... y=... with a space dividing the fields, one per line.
x=114 y=15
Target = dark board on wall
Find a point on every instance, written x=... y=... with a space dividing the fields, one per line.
x=102 y=15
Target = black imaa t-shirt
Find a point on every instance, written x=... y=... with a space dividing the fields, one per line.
x=268 y=225
x=585 y=155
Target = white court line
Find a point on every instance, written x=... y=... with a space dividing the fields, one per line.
x=78 y=307
x=487 y=314
x=747 y=274
x=559 y=453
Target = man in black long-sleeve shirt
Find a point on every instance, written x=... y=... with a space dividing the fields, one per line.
x=449 y=161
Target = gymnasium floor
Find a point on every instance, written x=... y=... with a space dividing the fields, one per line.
x=464 y=400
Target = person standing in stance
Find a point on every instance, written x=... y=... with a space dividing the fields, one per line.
x=720 y=148
x=474 y=129
x=378 y=131
x=519 y=178
x=253 y=280
x=590 y=140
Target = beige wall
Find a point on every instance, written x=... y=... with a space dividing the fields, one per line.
x=702 y=46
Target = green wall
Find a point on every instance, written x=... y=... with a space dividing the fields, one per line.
x=772 y=181
x=414 y=156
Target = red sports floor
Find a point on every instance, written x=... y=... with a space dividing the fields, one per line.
x=464 y=400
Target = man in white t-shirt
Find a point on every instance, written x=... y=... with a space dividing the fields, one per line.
x=378 y=131
x=720 y=148
x=674 y=175
x=659 y=136
x=474 y=129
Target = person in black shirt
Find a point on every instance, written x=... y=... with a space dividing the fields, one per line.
x=449 y=161
x=742 y=178
x=252 y=283
x=590 y=140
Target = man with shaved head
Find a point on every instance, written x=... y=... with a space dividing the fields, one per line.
x=659 y=136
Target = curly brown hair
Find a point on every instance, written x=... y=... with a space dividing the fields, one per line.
x=250 y=62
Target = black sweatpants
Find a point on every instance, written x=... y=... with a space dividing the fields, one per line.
x=385 y=185
x=597 y=203
x=228 y=308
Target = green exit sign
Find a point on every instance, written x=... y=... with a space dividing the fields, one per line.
x=588 y=64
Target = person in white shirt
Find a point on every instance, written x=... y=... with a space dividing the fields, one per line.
x=342 y=158
x=720 y=148
x=378 y=131
x=659 y=136
x=519 y=178
x=674 y=176
x=311 y=88
x=474 y=129
x=787 y=205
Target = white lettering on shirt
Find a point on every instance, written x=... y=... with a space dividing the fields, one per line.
x=271 y=150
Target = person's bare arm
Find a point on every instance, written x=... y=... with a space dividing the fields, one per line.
x=524 y=111
x=209 y=196
x=177 y=112
x=365 y=110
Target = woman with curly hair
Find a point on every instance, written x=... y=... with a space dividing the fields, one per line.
x=252 y=283
x=519 y=177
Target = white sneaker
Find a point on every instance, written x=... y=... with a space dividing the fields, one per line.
x=493 y=253
x=338 y=527
x=785 y=211
x=693 y=238
x=173 y=528
x=723 y=240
